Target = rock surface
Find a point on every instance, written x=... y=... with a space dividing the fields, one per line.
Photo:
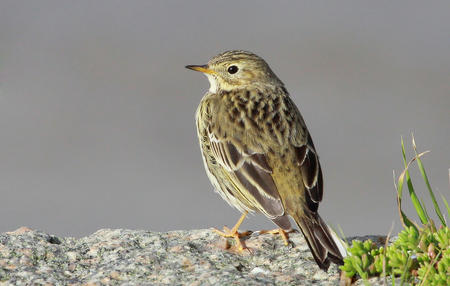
x=137 y=257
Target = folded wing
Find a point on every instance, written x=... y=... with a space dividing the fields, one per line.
x=250 y=173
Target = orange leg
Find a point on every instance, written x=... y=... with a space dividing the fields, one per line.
x=283 y=233
x=234 y=233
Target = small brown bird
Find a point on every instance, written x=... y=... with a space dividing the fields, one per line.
x=257 y=151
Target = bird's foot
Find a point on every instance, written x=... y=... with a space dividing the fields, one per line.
x=234 y=233
x=283 y=233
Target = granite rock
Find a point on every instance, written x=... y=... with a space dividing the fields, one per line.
x=138 y=257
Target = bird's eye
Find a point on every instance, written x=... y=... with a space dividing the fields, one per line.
x=232 y=69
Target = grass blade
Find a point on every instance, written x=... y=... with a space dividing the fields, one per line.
x=427 y=183
x=446 y=205
x=433 y=262
x=406 y=222
x=419 y=209
x=403 y=277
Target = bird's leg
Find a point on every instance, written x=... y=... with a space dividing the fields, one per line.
x=283 y=233
x=234 y=233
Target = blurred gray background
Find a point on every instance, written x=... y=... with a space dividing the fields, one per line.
x=97 y=109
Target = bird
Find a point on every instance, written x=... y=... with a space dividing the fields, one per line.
x=258 y=153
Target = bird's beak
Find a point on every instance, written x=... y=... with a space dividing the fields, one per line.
x=202 y=68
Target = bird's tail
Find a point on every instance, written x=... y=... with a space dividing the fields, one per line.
x=320 y=240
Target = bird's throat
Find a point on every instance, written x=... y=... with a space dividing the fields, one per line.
x=212 y=83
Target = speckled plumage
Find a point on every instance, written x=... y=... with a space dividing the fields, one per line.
x=257 y=150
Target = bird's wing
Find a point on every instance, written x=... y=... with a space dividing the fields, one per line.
x=309 y=165
x=249 y=170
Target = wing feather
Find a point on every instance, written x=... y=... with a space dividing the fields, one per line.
x=309 y=165
x=250 y=171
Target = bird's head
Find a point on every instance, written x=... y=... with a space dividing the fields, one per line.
x=237 y=69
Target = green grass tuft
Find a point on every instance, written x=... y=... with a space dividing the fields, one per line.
x=421 y=253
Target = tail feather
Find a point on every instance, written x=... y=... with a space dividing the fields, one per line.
x=319 y=239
